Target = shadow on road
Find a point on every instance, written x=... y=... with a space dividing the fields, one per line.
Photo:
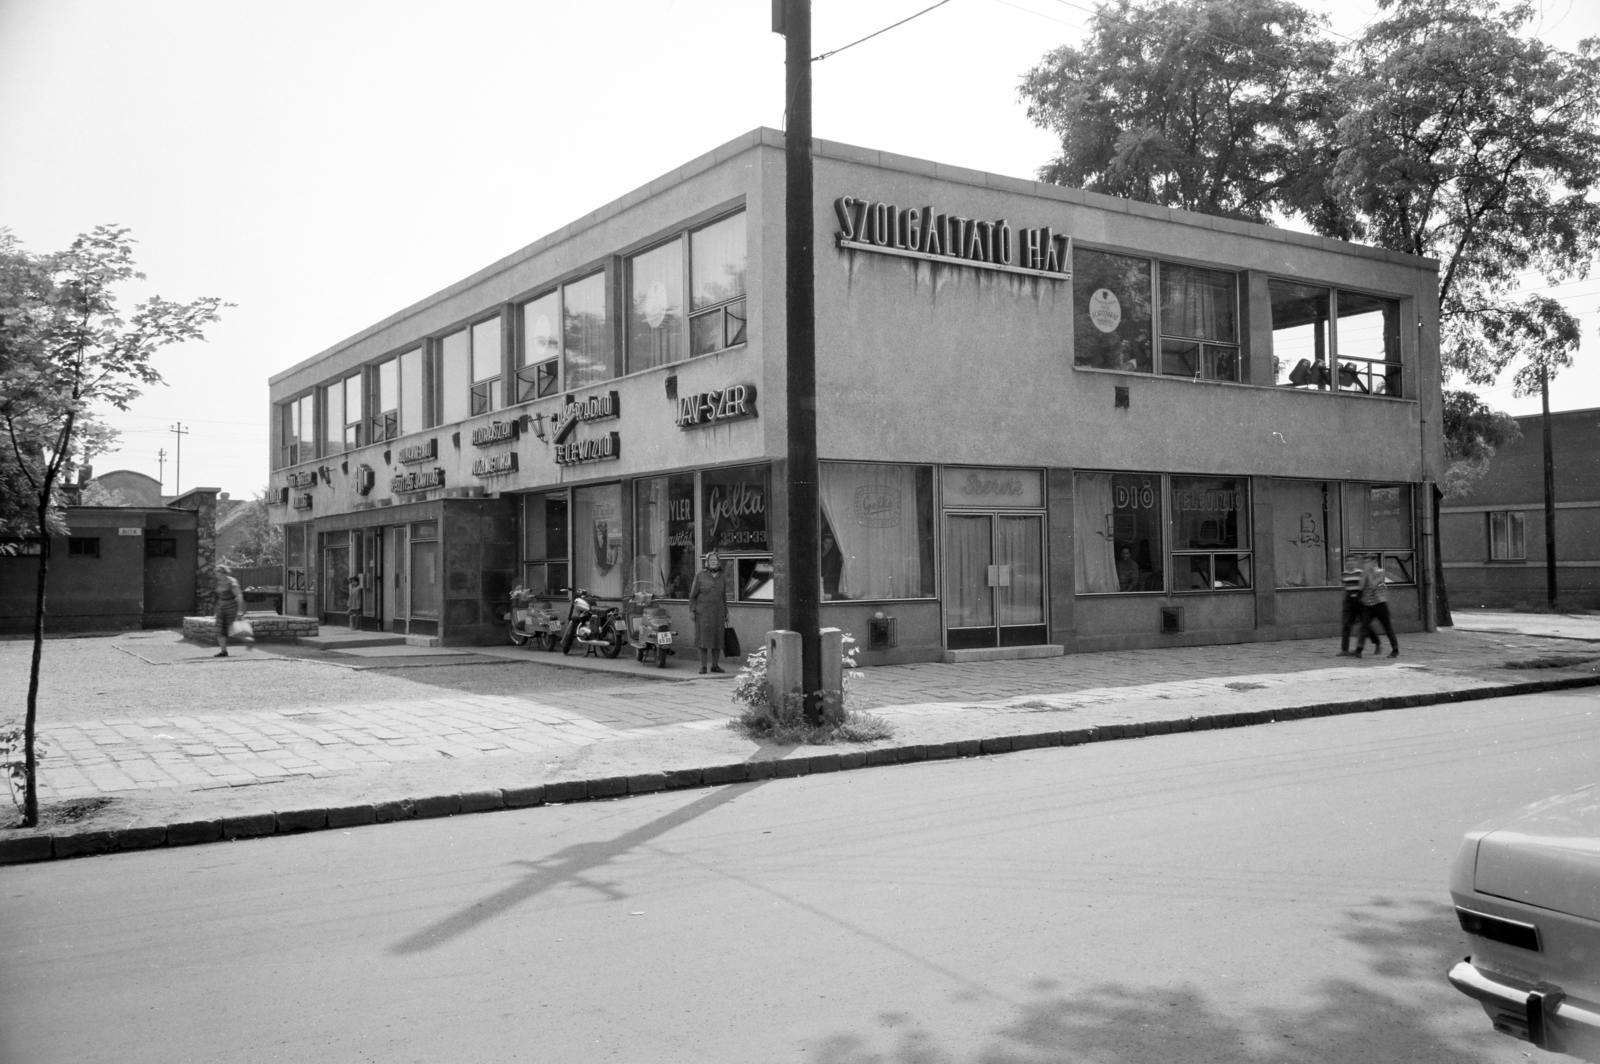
x=1403 y=1010
x=570 y=865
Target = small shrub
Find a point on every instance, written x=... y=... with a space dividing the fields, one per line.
x=13 y=759
x=786 y=724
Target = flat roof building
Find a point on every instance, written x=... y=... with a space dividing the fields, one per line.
x=1048 y=419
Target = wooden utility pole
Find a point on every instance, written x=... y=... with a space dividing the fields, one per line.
x=1549 y=493
x=177 y=463
x=799 y=552
x=161 y=469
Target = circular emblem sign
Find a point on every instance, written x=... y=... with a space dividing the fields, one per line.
x=655 y=305
x=1104 y=310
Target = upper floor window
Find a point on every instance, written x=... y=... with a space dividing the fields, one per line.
x=486 y=350
x=1112 y=316
x=454 y=366
x=1508 y=540
x=585 y=333
x=1379 y=522
x=1330 y=340
x=383 y=399
x=1199 y=323
x=539 y=349
x=717 y=285
x=655 y=307
x=341 y=415
x=411 y=391
x=297 y=430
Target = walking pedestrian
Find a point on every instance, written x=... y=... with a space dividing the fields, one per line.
x=230 y=607
x=708 y=602
x=1375 y=604
x=1352 y=614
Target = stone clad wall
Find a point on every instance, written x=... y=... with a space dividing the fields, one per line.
x=269 y=627
x=204 y=502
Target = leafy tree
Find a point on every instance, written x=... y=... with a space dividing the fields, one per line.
x=97 y=494
x=261 y=542
x=1194 y=105
x=68 y=349
x=1472 y=434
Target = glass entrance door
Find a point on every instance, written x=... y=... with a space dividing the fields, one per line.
x=994 y=580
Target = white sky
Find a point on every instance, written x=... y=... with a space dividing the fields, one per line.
x=323 y=164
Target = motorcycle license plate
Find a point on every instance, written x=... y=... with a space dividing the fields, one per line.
x=664 y=639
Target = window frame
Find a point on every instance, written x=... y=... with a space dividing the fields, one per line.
x=291 y=420
x=83 y=546
x=724 y=308
x=1405 y=555
x=382 y=424
x=542 y=379
x=1161 y=335
x=682 y=238
x=1332 y=379
x=1512 y=519
x=1247 y=536
x=1162 y=531
x=486 y=395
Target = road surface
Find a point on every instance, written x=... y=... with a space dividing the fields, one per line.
x=1260 y=895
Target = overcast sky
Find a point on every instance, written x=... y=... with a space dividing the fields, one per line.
x=323 y=164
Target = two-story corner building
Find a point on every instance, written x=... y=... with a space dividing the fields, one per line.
x=1048 y=419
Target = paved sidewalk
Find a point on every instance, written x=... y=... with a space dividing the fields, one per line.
x=315 y=765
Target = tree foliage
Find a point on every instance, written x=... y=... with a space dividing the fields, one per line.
x=260 y=541
x=65 y=347
x=1472 y=434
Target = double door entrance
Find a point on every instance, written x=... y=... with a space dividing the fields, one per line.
x=364 y=577
x=994 y=580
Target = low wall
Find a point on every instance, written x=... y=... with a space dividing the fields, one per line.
x=269 y=628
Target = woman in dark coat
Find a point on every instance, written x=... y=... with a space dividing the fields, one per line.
x=708 y=602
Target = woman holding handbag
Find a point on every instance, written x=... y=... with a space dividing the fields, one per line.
x=708 y=601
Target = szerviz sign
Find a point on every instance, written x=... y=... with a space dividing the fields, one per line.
x=417 y=480
x=923 y=233
x=732 y=403
x=600 y=449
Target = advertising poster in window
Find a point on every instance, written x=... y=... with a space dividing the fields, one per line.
x=597 y=539
x=734 y=514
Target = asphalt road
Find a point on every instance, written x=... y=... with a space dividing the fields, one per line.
x=1264 y=895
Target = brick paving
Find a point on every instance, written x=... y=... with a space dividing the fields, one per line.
x=234 y=743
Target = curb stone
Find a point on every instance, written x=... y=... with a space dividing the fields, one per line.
x=27 y=849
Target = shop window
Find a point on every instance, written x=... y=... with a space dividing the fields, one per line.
x=425 y=575
x=539 y=349
x=1112 y=320
x=544 y=549
x=1508 y=540
x=83 y=546
x=297 y=431
x=336 y=571
x=597 y=559
x=733 y=509
x=655 y=307
x=451 y=382
x=1315 y=329
x=877 y=531
x=294 y=558
x=383 y=399
x=411 y=392
x=1379 y=522
x=664 y=561
x=1117 y=533
x=1210 y=533
x=754 y=579
x=160 y=547
x=486 y=351
x=1199 y=323
x=1305 y=529
x=585 y=333
x=717 y=286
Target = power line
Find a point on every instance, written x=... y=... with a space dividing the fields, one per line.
x=886 y=29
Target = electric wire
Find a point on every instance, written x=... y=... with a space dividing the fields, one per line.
x=886 y=29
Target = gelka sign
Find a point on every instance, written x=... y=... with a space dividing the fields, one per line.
x=732 y=403
x=922 y=233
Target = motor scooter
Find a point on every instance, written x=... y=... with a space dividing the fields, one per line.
x=593 y=626
x=648 y=625
x=533 y=619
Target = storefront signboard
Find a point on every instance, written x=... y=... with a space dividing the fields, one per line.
x=366 y=478
x=733 y=403
x=993 y=489
x=302 y=501
x=921 y=233
x=600 y=449
x=591 y=408
x=130 y=531
x=734 y=508
x=495 y=465
x=496 y=432
x=419 y=452
x=304 y=479
x=417 y=480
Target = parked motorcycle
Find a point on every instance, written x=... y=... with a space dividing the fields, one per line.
x=594 y=626
x=648 y=625
x=534 y=620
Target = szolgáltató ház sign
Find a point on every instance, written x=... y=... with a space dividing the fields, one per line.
x=922 y=233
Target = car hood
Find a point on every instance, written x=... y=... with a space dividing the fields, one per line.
x=1547 y=855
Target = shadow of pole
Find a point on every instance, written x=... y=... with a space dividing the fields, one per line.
x=570 y=865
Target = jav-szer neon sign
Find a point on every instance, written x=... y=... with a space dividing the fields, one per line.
x=922 y=233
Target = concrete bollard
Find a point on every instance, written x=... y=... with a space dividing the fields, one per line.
x=832 y=674
x=783 y=667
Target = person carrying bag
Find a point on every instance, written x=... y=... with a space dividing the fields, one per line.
x=708 y=601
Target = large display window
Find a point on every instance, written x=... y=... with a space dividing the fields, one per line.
x=1117 y=533
x=1210 y=533
x=664 y=535
x=1305 y=530
x=544 y=548
x=877 y=531
x=1380 y=523
x=597 y=561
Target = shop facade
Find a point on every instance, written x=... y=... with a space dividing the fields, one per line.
x=1049 y=421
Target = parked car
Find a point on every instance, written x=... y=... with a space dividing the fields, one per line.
x=1526 y=887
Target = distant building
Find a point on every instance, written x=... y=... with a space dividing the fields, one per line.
x=136 y=489
x=119 y=566
x=1493 y=538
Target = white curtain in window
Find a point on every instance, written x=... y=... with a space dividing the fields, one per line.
x=968 y=601
x=1304 y=520
x=1094 y=552
x=1017 y=544
x=1196 y=303
x=873 y=512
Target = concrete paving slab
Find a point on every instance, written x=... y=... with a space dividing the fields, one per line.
x=1584 y=626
